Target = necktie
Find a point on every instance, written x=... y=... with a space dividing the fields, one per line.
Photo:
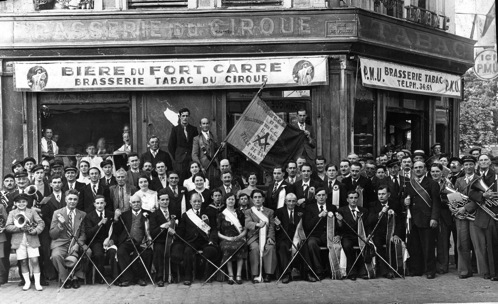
x=101 y=215
x=108 y=182
x=259 y=208
x=175 y=191
x=354 y=214
x=198 y=213
x=71 y=186
x=330 y=185
x=321 y=208
x=121 y=197
x=275 y=188
x=396 y=184
x=185 y=132
x=50 y=147
x=304 y=187
x=292 y=217
x=467 y=179
x=94 y=190
x=291 y=180
x=58 y=196
x=229 y=189
x=70 y=224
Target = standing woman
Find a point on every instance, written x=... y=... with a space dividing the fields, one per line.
x=232 y=232
x=195 y=168
x=147 y=196
x=200 y=187
x=445 y=220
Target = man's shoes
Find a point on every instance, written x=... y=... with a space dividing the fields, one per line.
x=68 y=284
x=311 y=278
x=266 y=278
x=21 y=283
x=187 y=283
x=365 y=277
x=76 y=284
x=486 y=277
x=238 y=280
x=431 y=276
x=352 y=277
x=494 y=279
x=390 y=275
x=141 y=282
x=160 y=284
x=285 y=279
x=255 y=280
x=44 y=282
x=124 y=284
x=464 y=276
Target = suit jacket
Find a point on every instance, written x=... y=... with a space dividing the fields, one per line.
x=160 y=156
x=156 y=220
x=119 y=234
x=132 y=180
x=453 y=177
x=78 y=186
x=271 y=200
x=113 y=181
x=251 y=219
x=421 y=213
x=87 y=198
x=396 y=194
x=91 y=226
x=235 y=189
x=309 y=144
x=283 y=215
x=114 y=195
x=365 y=183
x=347 y=217
x=193 y=234
x=300 y=193
x=48 y=209
x=156 y=185
x=179 y=146
x=375 y=208
x=203 y=150
x=311 y=218
x=206 y=194
x=175 y=203
x=342 y=191
x=3 y=217
x=482 y=219
x=58 y=232
x=17 y=233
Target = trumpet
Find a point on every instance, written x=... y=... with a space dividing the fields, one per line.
x=457 y=200
x=23 y=223
x=32 y=191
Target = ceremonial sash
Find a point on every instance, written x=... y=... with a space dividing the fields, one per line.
x=360 y=196
x=335 y=196
x=198 y=222
x=299 y=236
x=421 y=191
x=281 y=198
x=262 y=230
x=400 y=252
x=183 y=204
x=334 y=250
x=232 y=219
x=370 y=267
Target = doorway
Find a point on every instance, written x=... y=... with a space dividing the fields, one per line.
x=405 y=130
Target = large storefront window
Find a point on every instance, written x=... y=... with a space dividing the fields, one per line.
x=364 y=127
x=79 y=119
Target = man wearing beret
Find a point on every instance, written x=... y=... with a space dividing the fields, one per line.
x=17 y=166
x=475 y=152
x=29 y=163
x=108 y=179
x=57 y=168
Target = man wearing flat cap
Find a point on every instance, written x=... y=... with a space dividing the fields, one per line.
x=57 y=167
x=22 y=182
x=475 y=152
x=395 y=180
x=108 y=179
x=28 y=163
x=17 y=166
x=70 y=181
x=456 y=169
x=419 y=155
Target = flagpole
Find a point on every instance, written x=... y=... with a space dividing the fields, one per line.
x=223 y=143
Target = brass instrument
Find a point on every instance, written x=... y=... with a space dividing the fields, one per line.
x=457 y=200
x=23 y=223
x=32 y=191
x=4 y=200
x=480 y=185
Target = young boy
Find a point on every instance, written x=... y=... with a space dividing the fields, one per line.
x=25 y=239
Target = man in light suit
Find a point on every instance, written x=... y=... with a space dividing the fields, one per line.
x=254 y=223
x=155 y=155
x=180 y=143
x=67 y=231
x=204 y=148
x=308 y=149
x=120 y=194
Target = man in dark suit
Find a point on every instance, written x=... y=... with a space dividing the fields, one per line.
x=134 y=171
x=180 y=143
x=456 y=170
x=22 y=183
x=94 y=188
x=361 y=184
x=308 y=149
x=229 y=185
x=424 y=207
x=315 y=214
x=133 y=222
x=286 y=218
x=395 y=181
x=155 y=155
x=71 y=183
x=108 y=179
x=485 y=233
x=351 y=214
x=196 y=229
x=177 y=195
x=278 y=189
x=378 y=211
x=161 y=180
x=291 y=169
x=95 y=220
x=204 y=148
x=162 y=219
x=305 y=187
x=332 y=185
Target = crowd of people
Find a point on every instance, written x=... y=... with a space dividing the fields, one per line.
x=177 y=215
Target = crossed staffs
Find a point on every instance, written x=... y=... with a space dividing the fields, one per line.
x=366 y=244
x=299 y=249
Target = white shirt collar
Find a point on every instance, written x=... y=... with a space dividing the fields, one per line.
x=324 y=206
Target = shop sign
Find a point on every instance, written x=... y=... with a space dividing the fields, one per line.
x=486 y=65
x=397 y=77
x=170 y=74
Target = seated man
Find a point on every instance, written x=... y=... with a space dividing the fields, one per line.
x=195 y=229
x=128 y=234
x=315 y=217
x=260 y=224
x=67 y=231
x=95 y=220
x=348 y=219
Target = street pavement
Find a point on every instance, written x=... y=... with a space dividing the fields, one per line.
x=447 y=288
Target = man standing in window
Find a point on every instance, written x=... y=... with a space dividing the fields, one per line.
x=49 y=147
x=308 y=149
x=180 y=143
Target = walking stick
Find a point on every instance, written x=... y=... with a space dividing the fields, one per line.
x=172 y=221
x=299 y=249
x=136 y=250
x=80 y=258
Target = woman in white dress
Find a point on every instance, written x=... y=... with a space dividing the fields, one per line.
x=147 y=196
x=195 y=168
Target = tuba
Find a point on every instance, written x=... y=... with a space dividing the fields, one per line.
x=480 y=185
x=457 y=200
x=32 y=191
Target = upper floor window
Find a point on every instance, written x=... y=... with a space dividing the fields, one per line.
x=239 y=3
